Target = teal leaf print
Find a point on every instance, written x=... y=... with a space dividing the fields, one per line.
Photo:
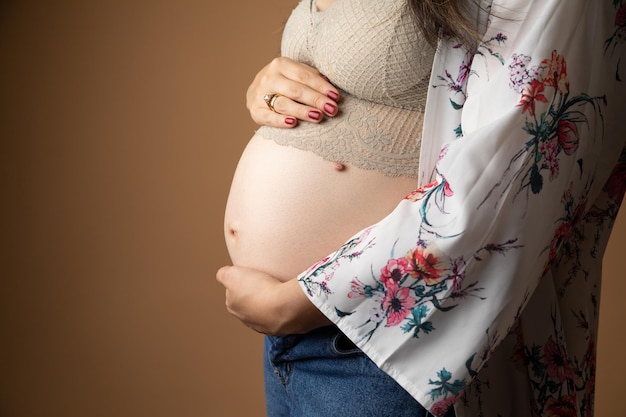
x=444 y=386
x=455 y=105
x=458 y=131
x=554 y=118
x=343 y=313
x=536 y=180
x=415 y=323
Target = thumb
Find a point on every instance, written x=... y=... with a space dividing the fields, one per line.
x=222 y=274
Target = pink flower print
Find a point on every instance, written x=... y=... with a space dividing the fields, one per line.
x=426 y=265
x=550 y=151
x=394 y=271
x=317 y=265
x=357 y=289
x=564 y=232
x=564 y=406
x=442 y=152
x=532 y=92
x=518 y=72
x=447 y=190
x=398 y=304
x=557 y=365
x=457 y=273
x=620 y=16
x=620 y=24
x=415 y=195
x=567 y=132
x=441 y=407
x=465 y=69
x=554 y=72
x=418 y=194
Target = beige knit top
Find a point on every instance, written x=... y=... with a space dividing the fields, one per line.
x=372 y=51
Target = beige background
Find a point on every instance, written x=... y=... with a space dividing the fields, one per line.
x=121 y=123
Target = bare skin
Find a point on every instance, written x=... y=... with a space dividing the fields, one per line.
x=270 y=306
x=324 y=4
x=303 y=90
x=289 y=208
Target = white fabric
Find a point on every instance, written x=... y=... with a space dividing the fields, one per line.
x=482 y=288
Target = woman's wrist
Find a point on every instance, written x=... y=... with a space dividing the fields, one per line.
x=298 y=314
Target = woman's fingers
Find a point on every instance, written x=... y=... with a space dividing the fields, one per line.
x=254 y=305
x=308 y=85
x=303 y=102
x=303 y=94
x=269 y=306
x=263 y=116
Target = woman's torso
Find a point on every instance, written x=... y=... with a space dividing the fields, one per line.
x=289 y=205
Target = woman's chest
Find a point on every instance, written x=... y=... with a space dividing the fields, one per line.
x=371 y=49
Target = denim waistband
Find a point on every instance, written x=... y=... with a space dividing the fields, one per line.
x=324 y=342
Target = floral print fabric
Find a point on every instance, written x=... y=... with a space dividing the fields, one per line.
x=481 y=290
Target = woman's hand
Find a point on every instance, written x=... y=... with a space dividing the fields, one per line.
x=303 y=94
x=268 y=305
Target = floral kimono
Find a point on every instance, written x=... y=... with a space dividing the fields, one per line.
x=481 y=289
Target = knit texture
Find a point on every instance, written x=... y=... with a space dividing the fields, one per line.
x=373 y=53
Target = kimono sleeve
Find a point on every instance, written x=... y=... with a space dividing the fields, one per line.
x=520 y=137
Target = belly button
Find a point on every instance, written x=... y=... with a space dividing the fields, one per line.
x=232 y=232
x=339 y=166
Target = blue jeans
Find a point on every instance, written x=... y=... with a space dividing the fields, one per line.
x=323 y=374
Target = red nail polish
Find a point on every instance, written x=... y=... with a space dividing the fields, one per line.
x=332 y=95
x=290 y=121
x=330 y=108
x=315 y=115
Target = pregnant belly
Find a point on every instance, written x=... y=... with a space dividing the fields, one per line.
x=289 y=208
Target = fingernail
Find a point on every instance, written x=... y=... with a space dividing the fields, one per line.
x=315 y=115
x=290 y=121
x=332 y=95
x=330 y=108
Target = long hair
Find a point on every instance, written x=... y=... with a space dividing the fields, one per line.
x=447 y=18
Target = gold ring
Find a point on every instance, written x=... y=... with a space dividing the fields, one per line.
x=270 y=99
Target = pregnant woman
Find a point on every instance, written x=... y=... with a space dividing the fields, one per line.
x=299 y=193
x=478 y=294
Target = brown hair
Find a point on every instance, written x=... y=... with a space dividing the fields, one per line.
x=446 y=18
